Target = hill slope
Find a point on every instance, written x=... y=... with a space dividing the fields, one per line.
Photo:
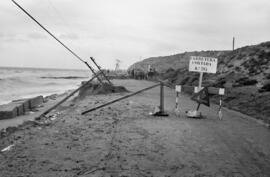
x=252 y=61
x=178 y=61
x=244 y=72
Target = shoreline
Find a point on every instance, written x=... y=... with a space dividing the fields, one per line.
x=124 y=140
x=52 y=98
x=30 y=115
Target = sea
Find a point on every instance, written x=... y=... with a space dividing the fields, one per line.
x=18 y=83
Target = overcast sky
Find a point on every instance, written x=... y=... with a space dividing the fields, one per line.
x=128 y=30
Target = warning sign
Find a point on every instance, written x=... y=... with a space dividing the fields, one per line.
x=202 y=97
x=203 y=64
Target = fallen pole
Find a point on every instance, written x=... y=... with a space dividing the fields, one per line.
x=93 y=60
x=73 y=53
x=70 y=95
x=119 y=99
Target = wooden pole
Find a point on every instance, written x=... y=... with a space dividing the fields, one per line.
x=119 y=99
x=94 y=72
x=66 y=47
x=200 y=80
x=93 y=60
x=63 y=100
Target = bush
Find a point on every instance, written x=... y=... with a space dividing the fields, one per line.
x=237 y=68
x=220 y=83
x=265 y=88
x=184 y=81
x=170 y=70
x=245 y=81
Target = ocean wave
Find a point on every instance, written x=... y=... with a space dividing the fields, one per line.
x=65 y=77
x=15 y=84
x=20 y=83
x=14 y=80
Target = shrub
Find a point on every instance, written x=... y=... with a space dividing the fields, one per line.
x=237 y=68
x=184 y=81
x=265 y=88
x=245 y=81
x=170 y=70
x=220 y=83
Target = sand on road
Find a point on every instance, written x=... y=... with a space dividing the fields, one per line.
x=124 y=140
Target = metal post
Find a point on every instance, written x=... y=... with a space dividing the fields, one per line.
x=161 y=106
x=161 y=98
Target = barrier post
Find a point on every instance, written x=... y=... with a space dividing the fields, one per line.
x=161 y=111
x=161 y=97
x=178 y=91
x=176 y=101
x=219 y=109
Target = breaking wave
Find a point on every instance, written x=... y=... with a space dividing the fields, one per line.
x=17 y=83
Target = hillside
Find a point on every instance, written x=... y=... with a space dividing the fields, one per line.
x=244 y=72
x=178 y=61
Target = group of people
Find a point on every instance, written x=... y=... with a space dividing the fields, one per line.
x=140 y=74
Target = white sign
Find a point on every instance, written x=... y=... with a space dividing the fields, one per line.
x=178 y=88
x=203 y=64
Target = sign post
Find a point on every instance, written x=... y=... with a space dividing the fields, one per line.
x=200 y=80
x=201 y=65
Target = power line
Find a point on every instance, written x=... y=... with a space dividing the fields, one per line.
x=73 y=53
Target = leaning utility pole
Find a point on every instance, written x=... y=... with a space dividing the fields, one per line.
x=93 y=60
x=73 y=53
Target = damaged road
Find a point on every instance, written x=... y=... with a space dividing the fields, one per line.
x=124 y=140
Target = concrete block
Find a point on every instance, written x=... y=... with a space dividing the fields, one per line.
x=35 y=102
x=25 y=103
x=8 y=111
x=20 y=110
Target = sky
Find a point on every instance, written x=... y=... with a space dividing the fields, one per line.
x=128 y=30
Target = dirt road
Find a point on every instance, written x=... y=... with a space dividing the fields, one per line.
x=124 y=140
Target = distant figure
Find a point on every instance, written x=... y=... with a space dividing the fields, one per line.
x=150 y=72
x=132 y=73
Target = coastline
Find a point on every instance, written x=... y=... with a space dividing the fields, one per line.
x=124 y=140
x=49 y=100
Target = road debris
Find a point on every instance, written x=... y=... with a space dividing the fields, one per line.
x=8 y=148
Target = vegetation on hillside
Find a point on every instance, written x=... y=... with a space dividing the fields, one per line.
x=244 y=72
